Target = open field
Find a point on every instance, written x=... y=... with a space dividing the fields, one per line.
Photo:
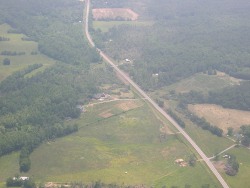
x=8 y=166
x=124 y=149
x=114 y=13
x=203 y=83
x=206 y=140
x=20 y=62
x=104 y=26
x=221 y=117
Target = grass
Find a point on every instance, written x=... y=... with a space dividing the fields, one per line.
x=104 y=26
x=221 y=117
x=104 y=149
x=201 y=82
x=8 y=166
x=20 y=62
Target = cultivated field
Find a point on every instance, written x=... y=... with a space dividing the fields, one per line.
x=18 y=45
x=221 y=117
x=125 y=148
x=114 y=14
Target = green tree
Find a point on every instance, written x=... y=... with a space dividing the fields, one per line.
x=230 y=131
x=6 y=61
x=192 y=160
x=29 y=184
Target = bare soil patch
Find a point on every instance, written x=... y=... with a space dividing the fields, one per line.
x=129 y=105
x=221 y=117
x=114 y=14
x=219 y=165
x=166 y=130
x=106 y=114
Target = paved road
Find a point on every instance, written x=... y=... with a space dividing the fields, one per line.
x=144 y=95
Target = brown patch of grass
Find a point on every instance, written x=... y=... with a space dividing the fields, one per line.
x=219 y=165
x=129 y=105
x=106 y=114
x=114 y=13
x=221 y=117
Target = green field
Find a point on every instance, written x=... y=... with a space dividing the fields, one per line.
x=20 y=62
x=124 y=148
x=203 y=83
x=104 y=26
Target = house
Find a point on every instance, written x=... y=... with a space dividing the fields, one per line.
x=155 y=75
x=101 y=96
x=127 y=60
x=22 y=178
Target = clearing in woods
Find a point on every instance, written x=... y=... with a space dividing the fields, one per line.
x=114 y=14
x=221 y=117
x=17 y=44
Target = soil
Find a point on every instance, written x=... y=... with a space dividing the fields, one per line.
x=114 y=13
x=219 y=165
x=106 y=114
x=125 y=106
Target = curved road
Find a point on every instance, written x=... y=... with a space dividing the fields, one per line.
x=128 y=79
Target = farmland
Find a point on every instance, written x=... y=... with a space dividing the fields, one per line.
x=18 y=45
x=222 y=117
x=124 y=148
x=114 y=14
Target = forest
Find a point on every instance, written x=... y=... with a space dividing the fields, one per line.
x=186 y=38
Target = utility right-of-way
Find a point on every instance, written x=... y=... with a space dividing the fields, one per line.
x=146 y=97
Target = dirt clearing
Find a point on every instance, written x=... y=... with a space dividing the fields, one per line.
x=118 y=14
x=125 y=106
x=106 y=114
x=221 y=117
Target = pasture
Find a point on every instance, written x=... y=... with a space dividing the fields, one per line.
x=124 y=148
x=203 y=83
x=221 y=117
x=20 y=62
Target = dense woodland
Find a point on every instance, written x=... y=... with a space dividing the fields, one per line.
x=186 y=38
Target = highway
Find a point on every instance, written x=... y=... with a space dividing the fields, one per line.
x=144 y=95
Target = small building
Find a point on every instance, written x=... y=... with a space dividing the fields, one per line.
x=127 y=60
x=155 y=75
x=24 y=178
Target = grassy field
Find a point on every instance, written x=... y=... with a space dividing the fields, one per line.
x=20 y=62
x=124 y=148
x=202 y=82
x=104 y=26
x=221 y=117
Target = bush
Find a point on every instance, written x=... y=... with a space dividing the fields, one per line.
x=6 y=61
